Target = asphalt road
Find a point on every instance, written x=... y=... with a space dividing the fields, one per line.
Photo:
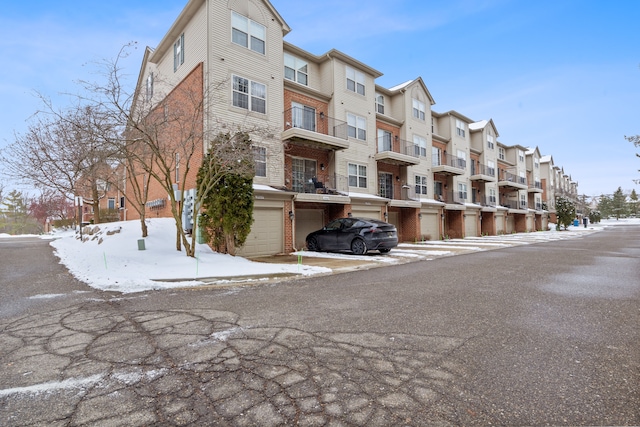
x=543 y=334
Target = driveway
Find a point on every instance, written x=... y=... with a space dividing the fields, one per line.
x=540 y=334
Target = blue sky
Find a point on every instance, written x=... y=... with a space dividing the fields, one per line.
x=562 y=75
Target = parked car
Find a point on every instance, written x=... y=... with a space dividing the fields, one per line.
x=358 y=235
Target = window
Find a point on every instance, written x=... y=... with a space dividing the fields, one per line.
x=177 y=167
x=460 y=128
x=303 y=117
x=379 y=103
x=462 y=159
x=357 y=176
x=436 y=157
x=490 y=142
x=304 y=173
x=178 y=52
x=384 y=141
x=421 y=184
x=295 y=69
x=536 y=163
x=418 y=109
x=501 y=153
x=260 y=159
x=355 y=81
x=491 y=168
x=433 y=125
x=492 y=195
x=248 y=33
x=111 y=203
x=249 y=95
x=462 y=191
x=420 y=146
x=385 y=185
x=437 y=190
x=522 y=178
x=357 y=127
x=149 y=86
x=523 y=201
x=520 y=156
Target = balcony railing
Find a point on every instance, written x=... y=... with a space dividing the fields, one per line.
x=331 y=184
x=514 y=204
x=537 y=185
x=508 y=176
x=452 y=197
x=398 y=192
x=309 y=119
x=481 y=169
x=488 y=201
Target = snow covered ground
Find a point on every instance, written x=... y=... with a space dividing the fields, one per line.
x=110 y=259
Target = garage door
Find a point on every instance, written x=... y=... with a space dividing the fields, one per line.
x=307 y=220
x=430 y=226
x=471 y=225
x=267 y=233
x=363 y=213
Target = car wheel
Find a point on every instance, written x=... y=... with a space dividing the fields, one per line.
x=359 y=247
x=312 y=245
x=384 y=250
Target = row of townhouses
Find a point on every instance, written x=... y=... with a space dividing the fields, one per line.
x=343 y=145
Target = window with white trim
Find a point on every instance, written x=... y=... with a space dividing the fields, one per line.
x=501 y=153
x=178 y=52
x=420 y=146
x=436 y=156
x=421 y=184
x=295 y=69
x=111 y=203
x=460 y=128
x=523 y=201
x=379 y=103
x=490 y=141
x=149 y=86
x=249 y=95
x=523 y=178
x=357 y=127
x=462 y=191
x=355 y=81
x=357 y=175
x=462 y=159
x=418 y=109
x=433 y=125
x=248 y=33
x=520 y=156
x=385 y=141
x=260 y=159
x=491 y=168
x=536 y=163
x=492 y=195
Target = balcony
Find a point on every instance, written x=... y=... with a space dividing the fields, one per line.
x=400 y=195
x=489 y=201
x=452 y=197
x=334 y=188
x=397 y=152
x=448 y=165
x=482 y=173
x=536 y=187
x=515 y=204
x=512 y=182
x=304 y=126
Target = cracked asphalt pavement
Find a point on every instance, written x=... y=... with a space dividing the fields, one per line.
x=540 y=334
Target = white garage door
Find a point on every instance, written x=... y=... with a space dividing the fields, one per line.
x=267 y=233
x=363 y=213
x=307 y=220
x=430 y=226
x=471 y=225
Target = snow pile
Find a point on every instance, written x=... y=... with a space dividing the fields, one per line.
x=109 y=259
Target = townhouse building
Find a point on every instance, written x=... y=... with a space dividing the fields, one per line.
x=338 y=143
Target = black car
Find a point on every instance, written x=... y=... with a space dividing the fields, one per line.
x=357 y=235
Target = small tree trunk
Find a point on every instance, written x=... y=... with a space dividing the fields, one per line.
x=143 y=226
x=229 y=239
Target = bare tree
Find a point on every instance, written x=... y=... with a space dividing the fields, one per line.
x=63 y=151
x=168 y=129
